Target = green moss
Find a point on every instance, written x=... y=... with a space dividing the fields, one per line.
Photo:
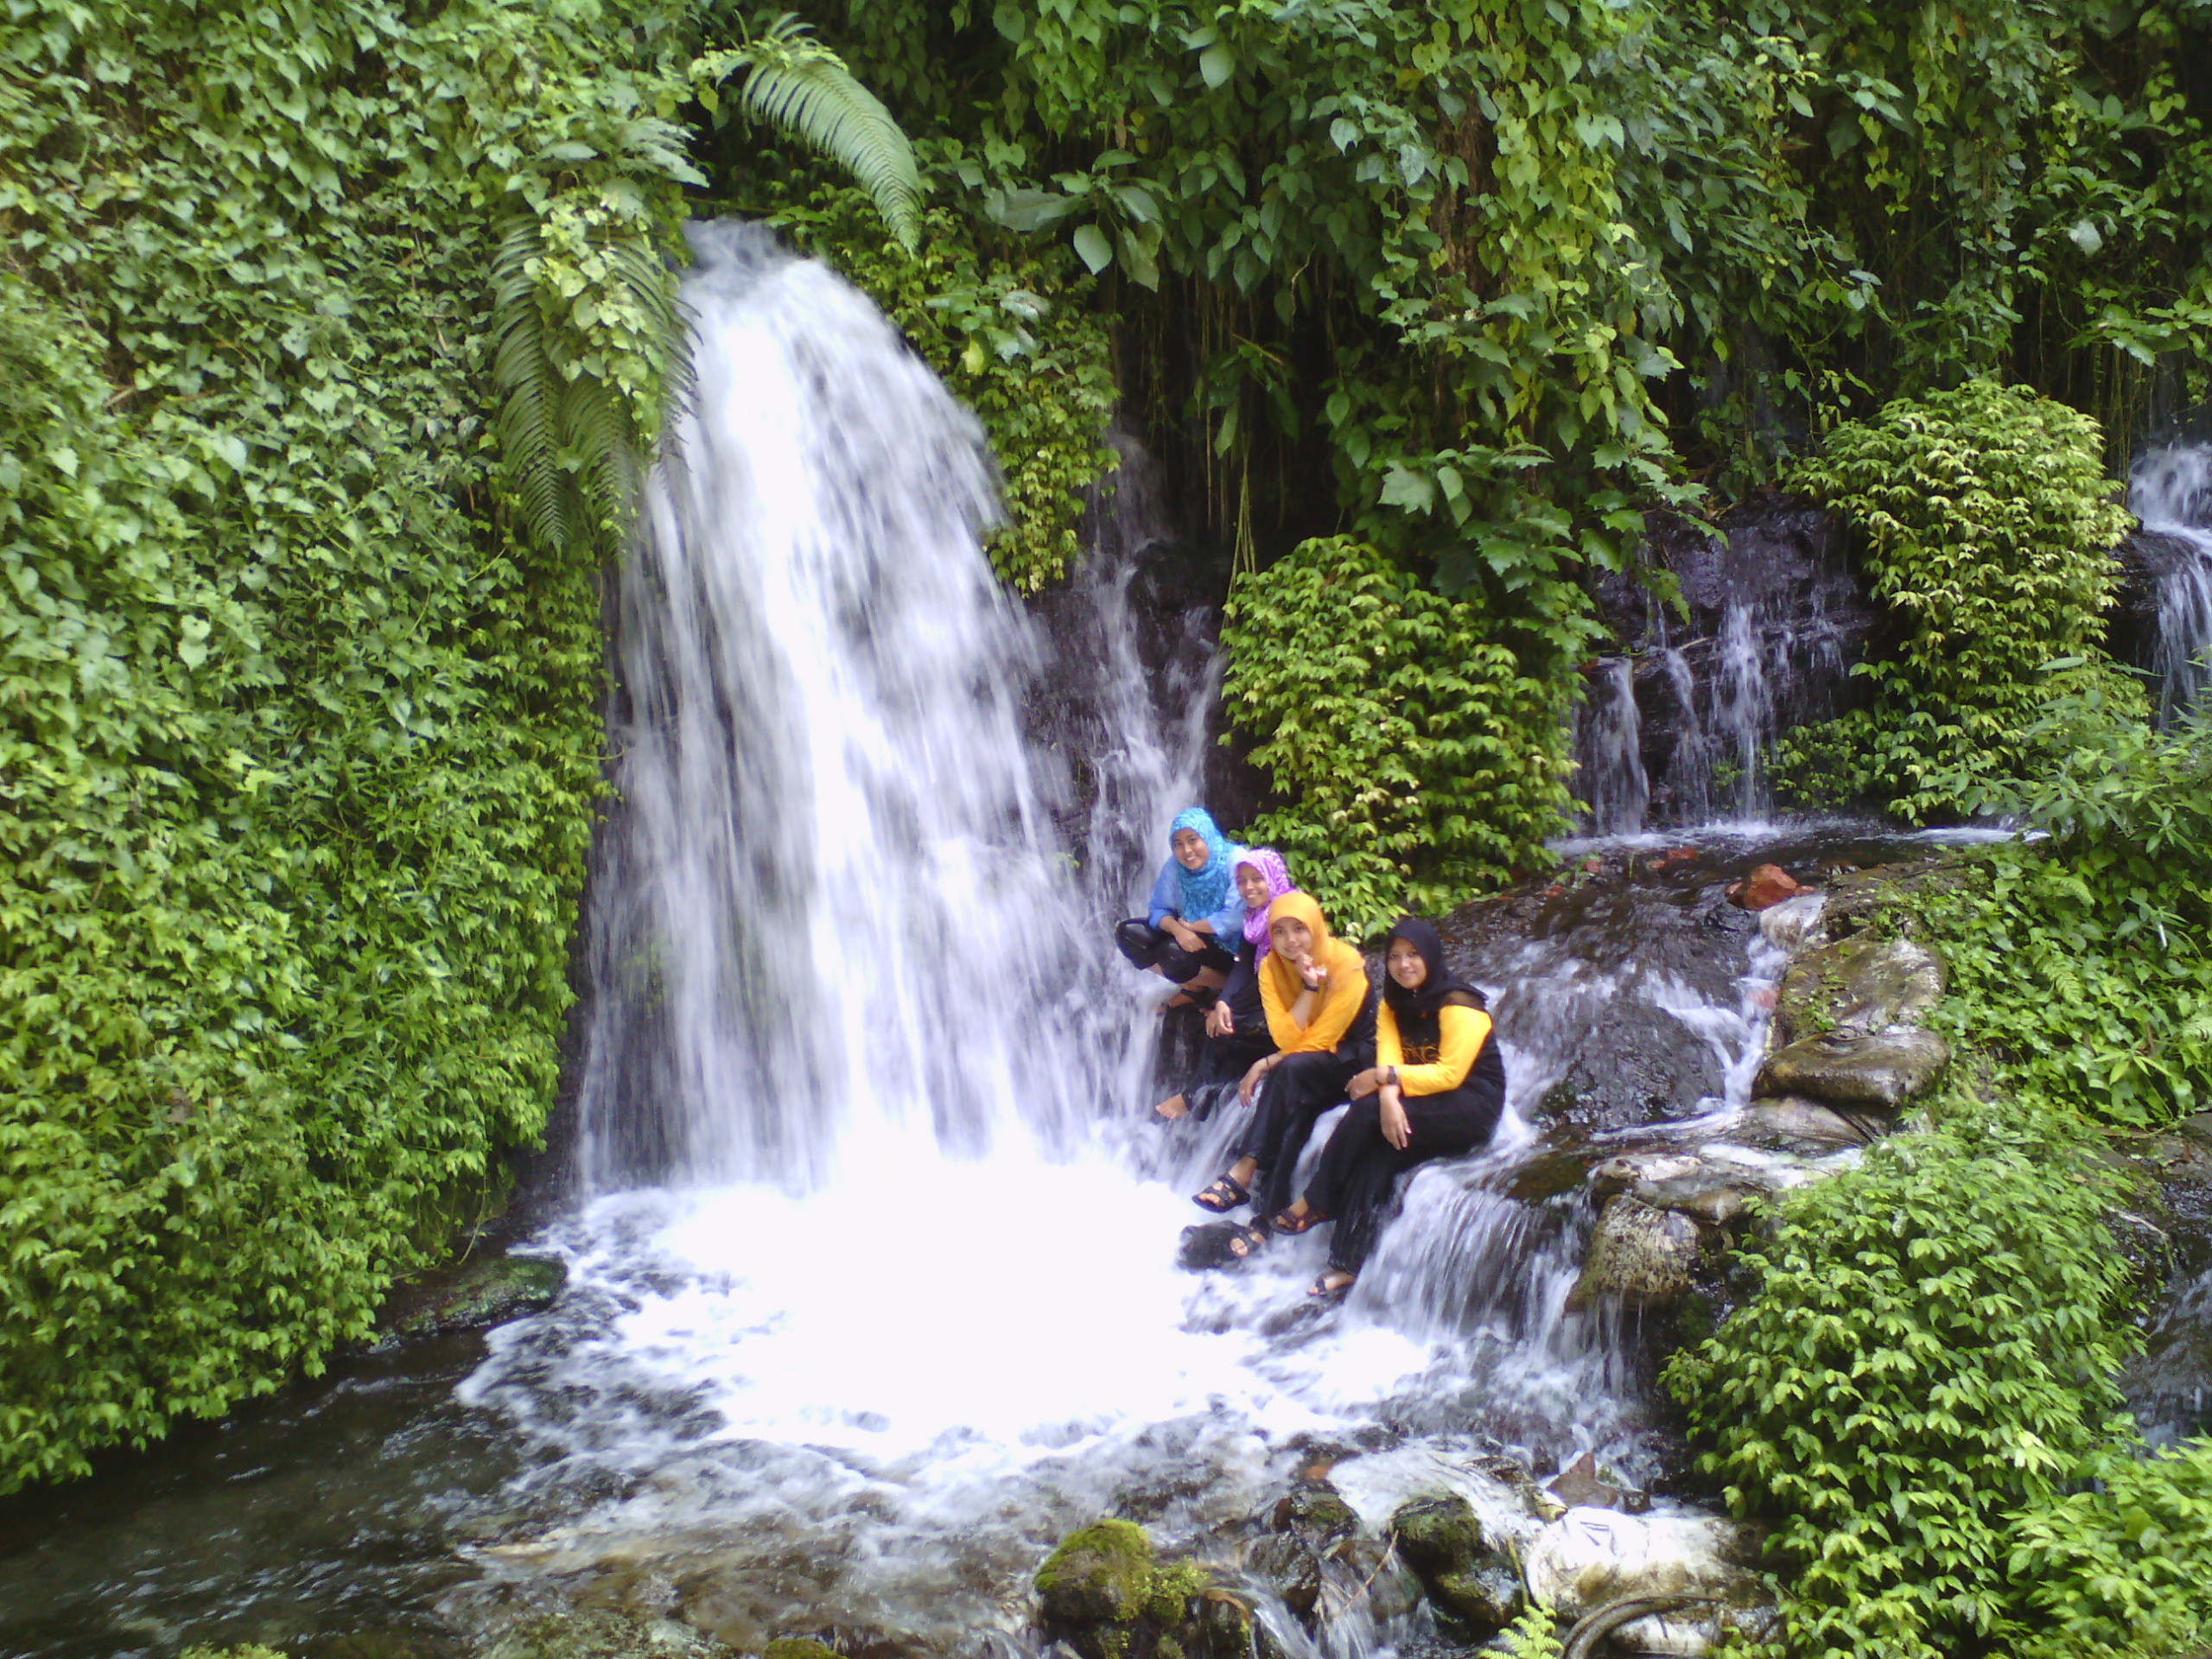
x=1103 y=1572
x=798 y=1647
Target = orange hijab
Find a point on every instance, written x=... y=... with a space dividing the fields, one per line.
x=1280 y=986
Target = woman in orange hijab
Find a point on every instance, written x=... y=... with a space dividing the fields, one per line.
x=1321 y=1013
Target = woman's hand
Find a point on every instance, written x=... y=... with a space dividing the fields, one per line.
x=1364 y=1084
x=1397 y=1127
x=1186 y=936
x=1250 y=1086
x=1220 y=1022
x=1312 y=975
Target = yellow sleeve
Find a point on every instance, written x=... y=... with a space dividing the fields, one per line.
x=1461 y=1033
x=1287 y=1032
x=1389 y=1050
x=1348 y=990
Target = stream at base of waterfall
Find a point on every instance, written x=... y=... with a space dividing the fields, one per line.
x=873 y=1290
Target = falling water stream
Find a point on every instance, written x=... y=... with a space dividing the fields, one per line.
x=874 y=1291
x=2171 y=492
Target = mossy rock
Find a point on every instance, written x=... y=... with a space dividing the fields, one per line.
x=798 y=1647
x=1106 y=1595
x=1865 y=982
x=490 y=1290
x=1314 y=1511
x=1438 y=1535
x=1103 y=1574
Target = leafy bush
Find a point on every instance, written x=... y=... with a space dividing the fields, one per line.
x=2081 y=964
x=1012 y=335
x=1989 y=526
x=1414 y=757
x=298 y=747
x=1930 y=1349
x=2124 y=1567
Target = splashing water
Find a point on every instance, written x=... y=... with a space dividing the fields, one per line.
x=2171 y=492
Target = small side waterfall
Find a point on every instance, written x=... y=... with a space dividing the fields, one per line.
x=1680 y=726
x=2171 y=491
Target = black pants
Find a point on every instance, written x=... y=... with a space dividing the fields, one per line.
x=1292 y=1097
x=1359 y=1168
x=1222 y=1065
x=1146 y=946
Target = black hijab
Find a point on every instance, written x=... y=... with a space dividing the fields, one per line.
x=1441 y=989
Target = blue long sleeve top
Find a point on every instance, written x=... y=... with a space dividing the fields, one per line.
x=1227 y=922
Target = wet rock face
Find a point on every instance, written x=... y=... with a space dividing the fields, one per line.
x=2146 y=559
x=1469 y=1577
x=488 y=1291
x=1857 y=983
x=1877 y=1069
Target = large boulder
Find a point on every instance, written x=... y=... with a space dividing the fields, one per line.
x=1318 y=1557
x=1858 y=984
x=490 y=1290
x=1641 y=1255
x=1590 y=1559
x=1879 y=1069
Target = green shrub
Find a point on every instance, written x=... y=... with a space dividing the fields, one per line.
x=1989 y=526
x=1414 y=760
x=2125 y=1567
x=1930 y=1350
x=298 y=746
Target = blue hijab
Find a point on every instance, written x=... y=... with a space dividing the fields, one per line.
x=1206 y=890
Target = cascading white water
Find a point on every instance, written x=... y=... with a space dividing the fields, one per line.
x=1609 y=741
x=869 y=1269
x=2171 y=492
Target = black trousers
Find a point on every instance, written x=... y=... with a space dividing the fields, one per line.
x=1292 y=1097
x=1359 y=1168
x=1146 y=946
x=1222 y=1065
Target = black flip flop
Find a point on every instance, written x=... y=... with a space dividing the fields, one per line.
x=1290 y=1226
x=1252 y=1241
x=1223 y=1196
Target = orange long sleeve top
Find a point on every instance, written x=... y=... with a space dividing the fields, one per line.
x=1280 y=989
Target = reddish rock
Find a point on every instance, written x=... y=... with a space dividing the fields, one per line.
x=1764 y=887
x=1670 y=858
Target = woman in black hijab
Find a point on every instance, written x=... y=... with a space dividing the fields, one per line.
x=1435 y=1091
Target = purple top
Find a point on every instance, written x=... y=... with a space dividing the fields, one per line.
x=1268 y=862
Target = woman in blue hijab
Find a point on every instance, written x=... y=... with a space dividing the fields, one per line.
x=1189 y=931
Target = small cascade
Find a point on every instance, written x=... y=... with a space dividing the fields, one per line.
x=1608 y=736
x=1775 y=619
x=2171 y=491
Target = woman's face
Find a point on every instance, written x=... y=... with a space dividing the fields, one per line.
x=1292 y=936
x=1406 y=964
x=1252 y=887
x=1191 y=847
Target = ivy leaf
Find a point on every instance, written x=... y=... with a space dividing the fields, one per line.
x=1216 y=65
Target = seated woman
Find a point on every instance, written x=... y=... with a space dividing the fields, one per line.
x=1237 y=1029
x=1435 y=1091
x=1195 y=917
x=1321 y=1013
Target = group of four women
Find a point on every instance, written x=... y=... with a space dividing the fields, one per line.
x=1294 y=1025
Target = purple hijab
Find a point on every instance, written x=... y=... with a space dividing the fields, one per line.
x=1268 y=862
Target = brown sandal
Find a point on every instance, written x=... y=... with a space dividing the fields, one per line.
x=1293 y=1224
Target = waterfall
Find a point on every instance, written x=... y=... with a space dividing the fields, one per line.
x=832 y=888
x=2171 y=492
x=1609 y=741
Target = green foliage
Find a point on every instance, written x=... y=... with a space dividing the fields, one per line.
x=2126 y=1567
x=1930 y=1350
x=298 y=747
x=795 y=83
x=1010 y=332
x=1415 y=758
x=1989 y=527
x=1534 y=1634
x=2081 y=966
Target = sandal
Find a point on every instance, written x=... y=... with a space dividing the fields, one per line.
x=1246 y=1242
x=1222 y=1197
x=1293 y=1224
x=1324 y=1292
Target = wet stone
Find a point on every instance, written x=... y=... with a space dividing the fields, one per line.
x=491 y=1290
x=1767 y=885
x=1792 y=1117
x=1857 y=984
x=1640 y=1255
x=1881 y=1068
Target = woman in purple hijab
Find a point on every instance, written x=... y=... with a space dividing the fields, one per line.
x=1236 y=1026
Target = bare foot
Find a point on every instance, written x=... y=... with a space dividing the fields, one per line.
x=1331 y=1285
x=1173 y=1106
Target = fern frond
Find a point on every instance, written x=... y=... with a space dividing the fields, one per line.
x=800 y=85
